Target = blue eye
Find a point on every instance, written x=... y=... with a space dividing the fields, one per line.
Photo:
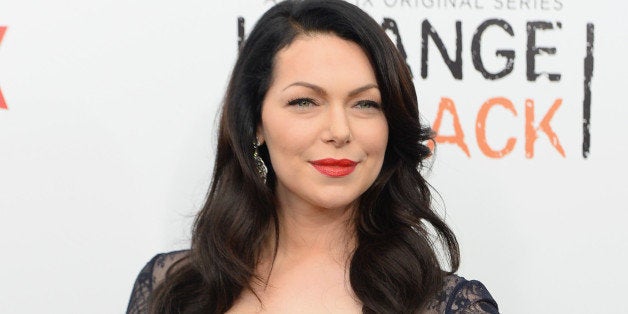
x=302 y=102
x=367 y=104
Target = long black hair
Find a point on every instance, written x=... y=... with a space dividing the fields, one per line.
x=394 y=268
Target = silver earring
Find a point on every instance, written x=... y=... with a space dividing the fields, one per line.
x=262 y=171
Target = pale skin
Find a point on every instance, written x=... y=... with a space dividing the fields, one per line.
x=324 y=102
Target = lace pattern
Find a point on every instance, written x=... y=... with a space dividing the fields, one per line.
x=150 y=276
x=458 y=295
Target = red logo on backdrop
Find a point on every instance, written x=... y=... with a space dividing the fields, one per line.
x=3 y=104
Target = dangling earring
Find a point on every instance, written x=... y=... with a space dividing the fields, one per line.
x=262 y=171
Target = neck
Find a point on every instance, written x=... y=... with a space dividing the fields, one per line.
x=315 y=231
x=309 y=238
x=307 y=232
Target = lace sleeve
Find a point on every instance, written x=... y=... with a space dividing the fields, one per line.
x=141 y=289
x=149 y=277
x=471 y=296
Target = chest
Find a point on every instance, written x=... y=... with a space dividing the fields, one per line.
x=306 y=290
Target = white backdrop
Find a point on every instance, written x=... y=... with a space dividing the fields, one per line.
x=107 y=138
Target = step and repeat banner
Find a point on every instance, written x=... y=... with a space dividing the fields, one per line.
x=107 y=135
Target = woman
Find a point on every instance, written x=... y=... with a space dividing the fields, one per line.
x=316 y=204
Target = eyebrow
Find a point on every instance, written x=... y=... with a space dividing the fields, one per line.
x=322 y=91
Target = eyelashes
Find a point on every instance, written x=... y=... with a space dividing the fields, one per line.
x=302 y=102
x=366 y=104
x=305 y=102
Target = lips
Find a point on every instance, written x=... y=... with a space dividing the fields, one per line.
x=334 y=167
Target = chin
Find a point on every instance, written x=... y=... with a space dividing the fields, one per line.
x=336 y=202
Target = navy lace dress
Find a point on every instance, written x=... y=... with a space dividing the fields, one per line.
x=458 y=295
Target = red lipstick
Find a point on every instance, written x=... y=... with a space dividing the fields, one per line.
x=334 y=167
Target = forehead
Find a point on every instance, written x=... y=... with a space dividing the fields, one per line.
x=323 y=56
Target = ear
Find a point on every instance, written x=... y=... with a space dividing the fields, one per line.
x=259 y=134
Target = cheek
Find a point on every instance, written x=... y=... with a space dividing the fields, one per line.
x=376 y=137
x=285 y=139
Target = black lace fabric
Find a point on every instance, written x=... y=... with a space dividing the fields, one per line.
x=461 y=296
x=149 y=277
x=458 y=295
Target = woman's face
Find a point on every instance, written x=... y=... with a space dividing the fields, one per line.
x=322 y=123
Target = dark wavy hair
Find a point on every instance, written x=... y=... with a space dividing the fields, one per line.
x=395 y=267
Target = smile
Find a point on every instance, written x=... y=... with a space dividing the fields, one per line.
x=334 y=167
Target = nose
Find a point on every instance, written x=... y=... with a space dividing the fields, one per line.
x=338 y=129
